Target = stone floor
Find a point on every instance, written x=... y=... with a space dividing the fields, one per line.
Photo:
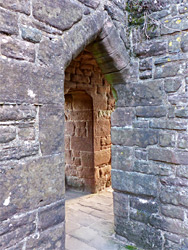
x=89 y=222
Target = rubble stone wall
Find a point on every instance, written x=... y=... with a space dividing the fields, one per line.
x=87 y=133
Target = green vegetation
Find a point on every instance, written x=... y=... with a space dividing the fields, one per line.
x=138 y=9
x=130 y=247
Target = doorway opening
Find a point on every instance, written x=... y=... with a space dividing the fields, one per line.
x=88 y=106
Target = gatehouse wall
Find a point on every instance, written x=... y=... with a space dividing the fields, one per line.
x=145 y=62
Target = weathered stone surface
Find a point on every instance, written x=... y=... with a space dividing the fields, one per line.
x=149 y=93
x=53 y=238
x=51 y=125
x=141 y=154
x=19 y=5
x=122 y=117
x=144 y=167
x=134 y=137
x=110 y=54
x=8 y=22
x=17 y=113
x=121 y=202
x=153 y=111
x=26 y=83
x=141 y=124
x=168 y=224
x=182 y=141
x=145 y=75
x=135 y=183
x=150 y=48
x=149 y=238
x=182 y=171
x=18 y=49
x=26 y=132
x=7 y=134
x=60 y=14
x=145 y=64
x=51 y=51
x=90 y=3
x=170 y=156
x=31 y=34
x=178 y=99
x=184 y=41
x=173 y=25
x=174 y=181
x=116 y=14
x=181 y=113
x=169 y=124
x=167 y=140
x=140 y=216
x=173 y=212
x=145 y=205
x=18 y=152
x=121 y=158
x=17 y=228
x=30 y=185
x=51 y=215
x=48 y=84
x=172 y=85
x=13 y=82
x=169 y=195
x=167 y=70
x=18 y=246
x=174 y=195
x=174 y=45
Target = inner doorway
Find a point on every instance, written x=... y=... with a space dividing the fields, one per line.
x=88 y=106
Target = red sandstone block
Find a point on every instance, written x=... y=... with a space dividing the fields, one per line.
x=69 y=128
x=102 y=157
x=82 y=102
x=67 y=142
x=102 y=90
x=80 y=78
x=87 y=159
x=81 y=144
x=75 y=153
x=77 y=161
x=71 y=69
x=68 y=157
x=67 y=76
x=100 y=102
x=97 y=143
x=87 y=72
x=80 y=129
x=82 y=115
x=103 y=127
x=79 y=72
x=87 y=66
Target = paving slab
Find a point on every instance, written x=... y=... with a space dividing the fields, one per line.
x=90 y=222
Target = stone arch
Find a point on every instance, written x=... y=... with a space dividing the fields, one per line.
x=99 y=35
x=99 y=32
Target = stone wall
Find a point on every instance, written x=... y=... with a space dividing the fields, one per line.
x=149 y=135
x=38 y=40
x=87 y=134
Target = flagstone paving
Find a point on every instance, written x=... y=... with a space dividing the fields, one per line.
x=89 y=222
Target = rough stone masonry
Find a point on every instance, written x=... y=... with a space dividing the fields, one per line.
x=38 y=40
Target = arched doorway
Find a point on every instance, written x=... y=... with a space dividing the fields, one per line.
x=89 y=103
